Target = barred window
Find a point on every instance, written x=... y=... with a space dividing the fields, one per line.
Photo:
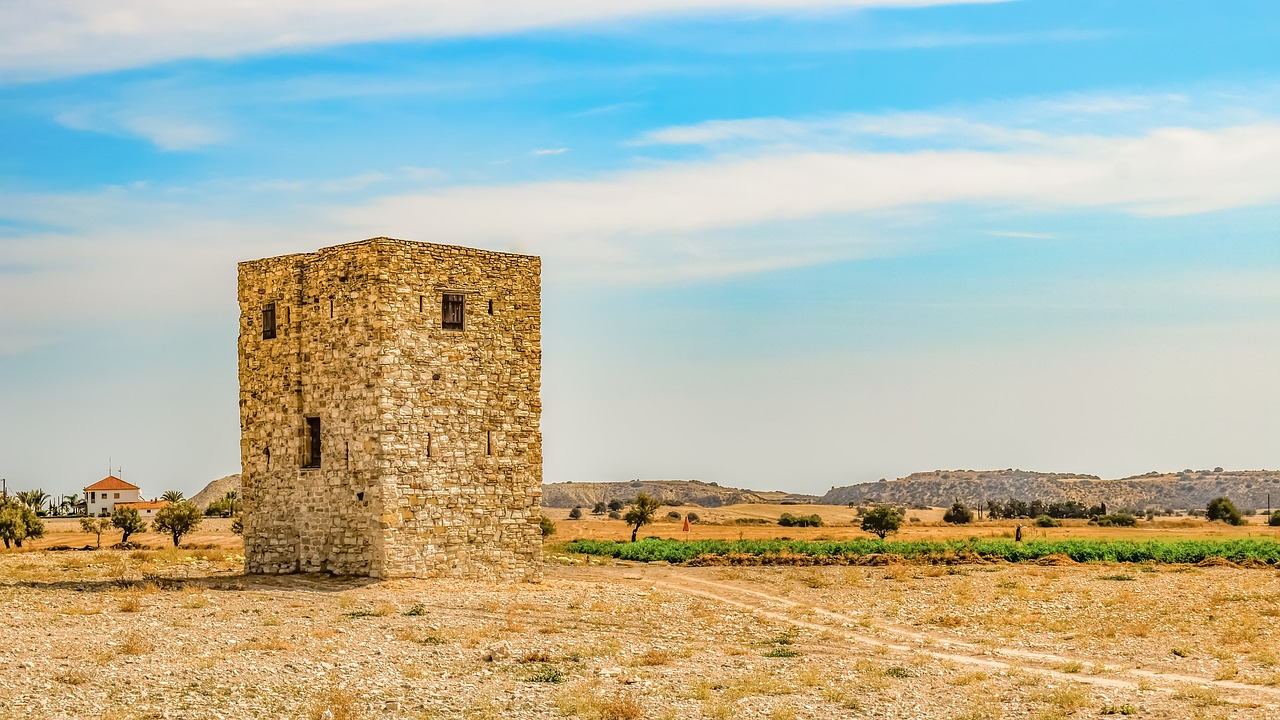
x=453 y=312
x=313 y=443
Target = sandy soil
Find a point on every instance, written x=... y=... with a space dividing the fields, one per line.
x=182 y=634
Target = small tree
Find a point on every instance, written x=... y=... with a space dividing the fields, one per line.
x=19 y=522
x=237 y=525
x=128 y=521
x=173 y=496
x=1223 y=509
x=575 y=514
x=1274 y=520
x=177 y=519
x=546 y=525
x=882 y=520
x=616 y=505
x=641 y=513
x=599 y=508
x=958 y=514
x=95 y=527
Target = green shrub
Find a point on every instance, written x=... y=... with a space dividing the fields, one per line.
x=546 y=674
x=1115 y=520
x=782 y=652
x=750 y=521
x=673 y=515
x=882 y=520
x=958 y=514
x=1274 y=520
x=693 y=517
x=789 y=520
x=575 y=514
x=546 y=525
x=1046 y=521
x=1223 y=509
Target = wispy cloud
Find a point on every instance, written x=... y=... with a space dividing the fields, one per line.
x=1169 y=171
x=166 y=131
x=551 y=151
x=67 y=37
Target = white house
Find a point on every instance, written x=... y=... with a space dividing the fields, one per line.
x=103 y=496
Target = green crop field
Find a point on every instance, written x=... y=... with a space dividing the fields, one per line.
x=797 y=552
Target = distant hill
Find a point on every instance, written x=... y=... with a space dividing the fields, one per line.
x=216 y=490
x=694 y=492
x=1188 y=489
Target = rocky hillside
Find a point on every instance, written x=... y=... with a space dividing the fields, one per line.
x=694 y=492
x=216 y=490
x=1188 y=489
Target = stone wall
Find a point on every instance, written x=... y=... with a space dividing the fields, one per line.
x=431 y=461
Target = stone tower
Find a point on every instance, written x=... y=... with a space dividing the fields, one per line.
x=389 y=411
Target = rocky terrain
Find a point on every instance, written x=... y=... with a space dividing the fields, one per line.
x=182 y=635
x=216 y=490
x=1185 y=490
x=689 y=492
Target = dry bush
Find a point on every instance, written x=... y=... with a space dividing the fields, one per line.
x=656 y=656
x=129 y=603
x=136 y=644
x=1068 y=698
x=535 y=656
x=268 y=643
x=72 y=677
x=622 y=707
x=335 y=704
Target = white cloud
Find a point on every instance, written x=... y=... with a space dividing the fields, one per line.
x=67 y=37
x=164 y=130
x=1170 y=171
x=551 y=151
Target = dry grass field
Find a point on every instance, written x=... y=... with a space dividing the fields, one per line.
x=839 y=523
x=182 y=633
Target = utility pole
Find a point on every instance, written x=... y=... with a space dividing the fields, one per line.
x=4 y=490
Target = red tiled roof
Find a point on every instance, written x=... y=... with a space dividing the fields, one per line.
x=111 y=482
x=144 y=504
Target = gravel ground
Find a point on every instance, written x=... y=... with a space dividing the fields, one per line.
x=182 y=634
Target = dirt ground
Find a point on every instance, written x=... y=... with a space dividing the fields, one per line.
x=183 y=634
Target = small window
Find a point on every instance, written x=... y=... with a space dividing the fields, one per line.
x=117 y=497
x=313 y=443
x=490 y=307
x=453 y=311
x=269 y=321
x=488 y=442
x=428 y=444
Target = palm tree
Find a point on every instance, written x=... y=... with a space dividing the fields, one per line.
x=34 y=499
x=72 y=503
x=173 y=496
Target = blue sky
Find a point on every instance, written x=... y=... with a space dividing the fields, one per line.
x=786 y=244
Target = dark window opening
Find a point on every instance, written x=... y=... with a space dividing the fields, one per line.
x=453 y=311
x=267 y=453
x=330 y=307
x=490 y=307
x=428 y=444
x=269 y=321
x=360 y=497
x=346 y=449
x=421 y=303
x=488 y=442
x=313 y=443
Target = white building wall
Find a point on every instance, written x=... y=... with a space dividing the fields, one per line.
x=100 y=500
